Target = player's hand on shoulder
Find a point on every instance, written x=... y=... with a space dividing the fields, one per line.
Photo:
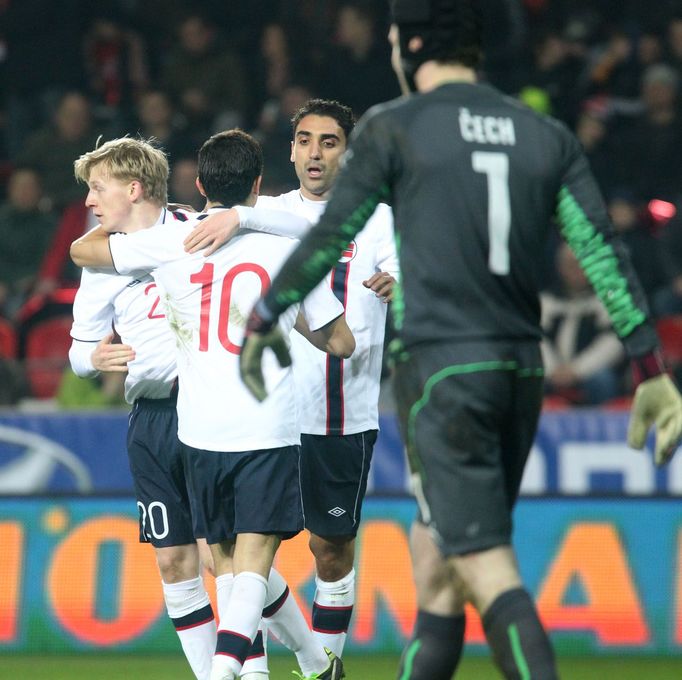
x=112 y=357
x=657 y=402
x=212 y=232
x=381 y=284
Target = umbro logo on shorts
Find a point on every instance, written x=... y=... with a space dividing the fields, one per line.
x=337 y=511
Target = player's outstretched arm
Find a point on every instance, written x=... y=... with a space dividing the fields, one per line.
x=212 y=232
x=92 y=250
x=335 y=338
x=217 y=229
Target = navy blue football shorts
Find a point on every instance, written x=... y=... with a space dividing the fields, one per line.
x=157 y=467
x=245 y=492
x=334 y=471
x=468 y=414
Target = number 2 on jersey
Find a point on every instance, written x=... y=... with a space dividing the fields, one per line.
x=152 y=312
x=205 y=277
x=495 y=166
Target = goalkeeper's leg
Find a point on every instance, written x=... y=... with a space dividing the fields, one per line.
x=434 y=650
x=519 y=643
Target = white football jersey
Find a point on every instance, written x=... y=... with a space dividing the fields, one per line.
x=132 y=305
x=340 y=396
x=208 y=300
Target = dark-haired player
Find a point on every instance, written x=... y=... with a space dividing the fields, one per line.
x=231 y=454
x=338 y=398
x=474 y=180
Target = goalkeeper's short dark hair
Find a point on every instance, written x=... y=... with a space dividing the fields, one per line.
x=449 y=29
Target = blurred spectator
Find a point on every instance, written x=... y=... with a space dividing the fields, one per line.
x=104 y=391
x=274 y=67
x=116 y=63
x=205 y=77
x=358 y=71
x=25 y=231
x=649 y=49
x=158 y=119
x=673 y=43
x=614 y=67
x=592 y=132
x=183 y=188
x=654 y=138
x=53 y=149
x=557 y=72
x=56 y=269
x=43 y=60
x=668 y=300
x=274 y=133
x=580 y=351
x=630 y=222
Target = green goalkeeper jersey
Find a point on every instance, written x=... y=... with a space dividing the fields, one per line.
x=476 y=180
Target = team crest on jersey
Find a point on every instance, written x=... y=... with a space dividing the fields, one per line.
x=349 y=252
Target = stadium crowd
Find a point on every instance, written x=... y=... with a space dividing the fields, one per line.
x=179 y=71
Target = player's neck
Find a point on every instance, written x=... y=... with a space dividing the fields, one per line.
x=314 y=198
x=432 y=74
x=144 y=215
x=249 y=201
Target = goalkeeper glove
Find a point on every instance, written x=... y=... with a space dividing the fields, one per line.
x=658 y=402
x=261 y=331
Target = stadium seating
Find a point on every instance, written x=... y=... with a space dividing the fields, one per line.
x=46 y=355
x=8 y=340
x=670 y=332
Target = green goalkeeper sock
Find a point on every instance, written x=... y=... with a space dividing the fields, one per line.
x=435 y=648
x=519 y=643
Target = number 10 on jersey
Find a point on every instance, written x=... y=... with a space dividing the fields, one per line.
x=205 y=277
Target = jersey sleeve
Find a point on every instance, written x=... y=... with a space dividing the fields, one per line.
x=276 y=222
x=321 y=306
x=585 y=225
x=364 y=181
x=147 y=249
x=93 y=309
x=80 y=358
x=93 y=315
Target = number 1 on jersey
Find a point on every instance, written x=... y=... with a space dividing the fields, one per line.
x=495 y=166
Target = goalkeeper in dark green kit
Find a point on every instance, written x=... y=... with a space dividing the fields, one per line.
x=475 y=180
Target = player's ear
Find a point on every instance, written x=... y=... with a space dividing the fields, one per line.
x=291 y=156
x=255 y=189
x=200 y=187
x=135 y=190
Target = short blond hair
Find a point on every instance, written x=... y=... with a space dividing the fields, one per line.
x=127 y=159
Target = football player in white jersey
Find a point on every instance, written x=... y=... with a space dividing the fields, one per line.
x=135 y=200
x=234 y=446
x=338 y=398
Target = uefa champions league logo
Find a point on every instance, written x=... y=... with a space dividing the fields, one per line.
x=28 y=461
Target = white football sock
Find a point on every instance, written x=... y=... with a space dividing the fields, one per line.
x=240 y=603
x=332 y=610
x=288 y=625
x=190 y=611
